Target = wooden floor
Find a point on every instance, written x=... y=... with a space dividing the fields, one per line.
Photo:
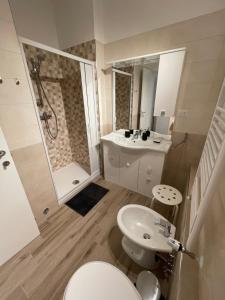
x=42 y=270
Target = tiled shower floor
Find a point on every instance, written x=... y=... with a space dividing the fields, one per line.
x=64 y=177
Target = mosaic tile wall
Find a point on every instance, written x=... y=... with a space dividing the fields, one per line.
x=85 y=50
x=74 y=109
x=62 y=83
x=123 y=96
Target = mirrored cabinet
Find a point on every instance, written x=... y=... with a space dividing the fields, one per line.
x=145 y=91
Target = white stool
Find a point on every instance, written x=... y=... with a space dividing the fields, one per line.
x=168 y=195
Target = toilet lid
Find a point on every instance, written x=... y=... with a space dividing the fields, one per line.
x=100 y=281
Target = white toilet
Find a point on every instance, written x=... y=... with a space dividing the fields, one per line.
x=99 y=280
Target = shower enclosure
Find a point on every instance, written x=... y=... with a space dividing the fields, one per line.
x=63 y=88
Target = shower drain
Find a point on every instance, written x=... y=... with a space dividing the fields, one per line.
x=75 y=181
x=146 y=236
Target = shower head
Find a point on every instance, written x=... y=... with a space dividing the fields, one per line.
x=35 y=66
x=40 y=58
x=36 y=63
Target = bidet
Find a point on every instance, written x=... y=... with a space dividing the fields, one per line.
x=142 y=236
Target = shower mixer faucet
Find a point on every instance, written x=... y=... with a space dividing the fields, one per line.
x=45 y=116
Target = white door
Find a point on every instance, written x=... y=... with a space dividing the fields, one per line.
x=147 y=98
x=17 y=224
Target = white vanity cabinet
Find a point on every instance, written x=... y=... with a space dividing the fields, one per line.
x=138 y=170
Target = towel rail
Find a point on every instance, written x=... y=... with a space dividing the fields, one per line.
x=210 y=169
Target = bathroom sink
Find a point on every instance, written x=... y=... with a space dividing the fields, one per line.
x=119 y=139
x=138 y=224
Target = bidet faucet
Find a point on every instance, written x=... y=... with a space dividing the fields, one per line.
x=166 y=225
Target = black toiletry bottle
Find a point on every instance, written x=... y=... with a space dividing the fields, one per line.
x=131 y=131
x=148 y=132
x=127 y=133
x=144 y=136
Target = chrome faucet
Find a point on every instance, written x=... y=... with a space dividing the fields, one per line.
x=136 y=134
x=166 y=226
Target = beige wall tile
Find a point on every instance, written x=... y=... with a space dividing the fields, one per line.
x=181 y=158
x=196 y=71
x=8 y=38
x=192 y=125
x=20 y=125
x=12 y=68
x=19 y=94
x=34 y=172
x=206 y=49
x=5 y=13
x=197 y=29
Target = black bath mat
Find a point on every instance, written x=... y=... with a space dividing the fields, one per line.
x=87 y=198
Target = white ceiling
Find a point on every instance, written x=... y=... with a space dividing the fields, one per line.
x=62 y=24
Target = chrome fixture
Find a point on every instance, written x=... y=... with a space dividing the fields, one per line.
x=168 y=261
x=2 y=153
x=146 y=236
x=35 y=74
x=46 y=211
x=179 y=247
x=15 y=79
x=76 y=181
x=165 y=225
x=136 y=134
x=45 y=116
x=5 y=164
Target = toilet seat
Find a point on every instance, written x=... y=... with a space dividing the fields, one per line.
x=100 y=281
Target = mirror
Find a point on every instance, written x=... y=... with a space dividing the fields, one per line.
x=145 y=91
